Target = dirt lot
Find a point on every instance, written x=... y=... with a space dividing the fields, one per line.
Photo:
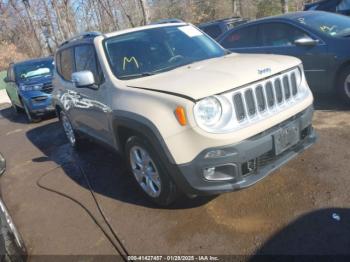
x=290 y=212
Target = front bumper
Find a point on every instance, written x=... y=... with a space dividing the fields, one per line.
x=38 y=103
x=257 y=152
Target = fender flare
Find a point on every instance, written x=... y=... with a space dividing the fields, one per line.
x=143 y=126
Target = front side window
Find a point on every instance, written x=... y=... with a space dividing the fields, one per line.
x=157 y=50
x=327 y=23
x=246 y=37
x=30 y=70
x=85 y=60
x=66 y=66
x=279 y=34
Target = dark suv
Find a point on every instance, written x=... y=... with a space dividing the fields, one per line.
x=29 y=86
x=218 y=27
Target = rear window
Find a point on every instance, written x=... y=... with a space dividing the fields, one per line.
x=212 y=30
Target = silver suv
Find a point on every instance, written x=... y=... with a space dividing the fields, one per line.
x=188 y=116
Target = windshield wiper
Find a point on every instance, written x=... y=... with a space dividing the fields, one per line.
x=136 y=75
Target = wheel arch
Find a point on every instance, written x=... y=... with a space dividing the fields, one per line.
x=126 y=124
x=338 y=73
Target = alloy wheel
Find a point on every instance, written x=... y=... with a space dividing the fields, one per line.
x=347 y=86
x=68 y=129
x=145 y=171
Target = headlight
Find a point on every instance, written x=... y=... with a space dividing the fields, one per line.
x=30 y=87
x=208 y=111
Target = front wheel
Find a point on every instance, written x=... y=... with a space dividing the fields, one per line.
x=32 y=118
x=73 y=138
x=344 y=85
x=149 y=172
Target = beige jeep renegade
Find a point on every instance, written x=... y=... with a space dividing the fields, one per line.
x=188 y=116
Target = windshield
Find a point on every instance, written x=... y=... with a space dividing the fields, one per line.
x=331 y=24
x=152 y=51
x=32 y=70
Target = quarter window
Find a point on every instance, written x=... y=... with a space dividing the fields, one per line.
x=246 y=37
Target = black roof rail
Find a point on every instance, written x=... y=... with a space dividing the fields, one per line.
x=234 y=18
x=84 y=35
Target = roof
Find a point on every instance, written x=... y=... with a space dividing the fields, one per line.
x=29 y=61
x=141 y=28
x=288 y=16
x=228 y=20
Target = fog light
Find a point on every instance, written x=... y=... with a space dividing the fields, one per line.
x=249 y=167
x=216 y=153
x=220 y=173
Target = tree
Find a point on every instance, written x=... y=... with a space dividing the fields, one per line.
x=284 y=4
x=145 y=11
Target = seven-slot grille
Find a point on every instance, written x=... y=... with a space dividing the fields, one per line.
x=265 y=96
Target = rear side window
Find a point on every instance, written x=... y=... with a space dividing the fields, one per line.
x=246 y=37
x=85 y=59
x=212 y=30
x=66 y=65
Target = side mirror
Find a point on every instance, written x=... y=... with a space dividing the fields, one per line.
x=83 y=79
x=306 y=41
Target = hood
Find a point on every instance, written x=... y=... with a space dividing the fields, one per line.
x=215 y=76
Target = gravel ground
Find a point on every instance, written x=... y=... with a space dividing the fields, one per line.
x=303 y=208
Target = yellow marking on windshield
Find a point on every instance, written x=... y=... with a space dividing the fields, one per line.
x=129 y=60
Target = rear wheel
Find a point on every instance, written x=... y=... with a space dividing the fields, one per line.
x=149 y=172
x=344 y=85
x=32 y=118
x=73 y=138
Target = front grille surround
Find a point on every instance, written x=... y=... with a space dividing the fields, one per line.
x=261 y=100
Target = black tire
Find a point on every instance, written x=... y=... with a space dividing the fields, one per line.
x=78 y=140
x=169 y=191
x=31 y=117
x=343 y=85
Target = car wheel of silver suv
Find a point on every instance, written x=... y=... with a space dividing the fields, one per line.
x=73 y=138
x=149 y=172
